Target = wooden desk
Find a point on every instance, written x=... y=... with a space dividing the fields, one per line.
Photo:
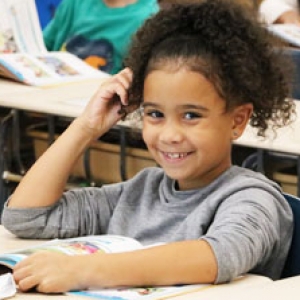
x=9 y=242
x=51 y=101
x=55 y=100
x=277 y=290
x=287 y=139
x=288 y=289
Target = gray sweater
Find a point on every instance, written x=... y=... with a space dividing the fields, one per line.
x=242 y=215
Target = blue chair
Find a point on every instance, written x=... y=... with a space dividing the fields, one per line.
x=46 y=10
x=292 y=265
x=294 y=55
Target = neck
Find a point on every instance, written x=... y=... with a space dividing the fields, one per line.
x=118 y=3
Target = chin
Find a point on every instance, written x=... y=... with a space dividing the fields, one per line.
x=176 y=176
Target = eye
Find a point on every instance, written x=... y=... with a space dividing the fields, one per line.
x=155 y=114
x=191 y=115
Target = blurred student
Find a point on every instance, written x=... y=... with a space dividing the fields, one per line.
x=285 y=12
x=280 y=11
x=97 y=31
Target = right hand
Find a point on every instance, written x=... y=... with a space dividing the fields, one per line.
x=102 y=112
x=49 y=272
x=289 y=17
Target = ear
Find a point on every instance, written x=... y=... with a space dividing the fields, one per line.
x=240 y=119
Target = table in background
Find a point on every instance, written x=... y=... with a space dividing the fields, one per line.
x=63 y=100
x=68 y=100
x=56 y=100
x=285 y=141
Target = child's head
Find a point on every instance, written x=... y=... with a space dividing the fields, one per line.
x=220 y=41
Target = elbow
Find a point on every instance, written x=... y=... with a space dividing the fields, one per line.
x=19 y=223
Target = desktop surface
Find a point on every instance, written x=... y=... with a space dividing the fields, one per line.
x=241 y=287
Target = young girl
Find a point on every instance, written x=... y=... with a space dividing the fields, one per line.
x=199 y=72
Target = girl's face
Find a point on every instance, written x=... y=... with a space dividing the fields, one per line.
x=186 y=128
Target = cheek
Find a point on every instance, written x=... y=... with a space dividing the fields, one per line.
x=146 y=134
x=149 y=134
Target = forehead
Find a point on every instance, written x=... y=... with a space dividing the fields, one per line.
x=181 y=87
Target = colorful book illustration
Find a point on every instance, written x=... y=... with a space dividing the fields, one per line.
x=102 y=243
x=23 y=55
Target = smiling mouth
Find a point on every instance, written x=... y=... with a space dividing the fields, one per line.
x=175 y=155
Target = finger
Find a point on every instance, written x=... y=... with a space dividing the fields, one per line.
x=21 y=272
x=27 y=283
x=125 y=77
x=121 y=86
x=22 y=265
x=47 y=287
x=30 y=259
x=114 y=88
x=122 y=93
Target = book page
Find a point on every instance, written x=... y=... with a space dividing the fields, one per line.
x=47 y=69
x=7 y=286
x=147 y=293
x=26 y=30
x=75 y=246
x=7 y=41
x=288 y=32
x=64 y=64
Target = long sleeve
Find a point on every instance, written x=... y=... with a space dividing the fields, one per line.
x=78 y=213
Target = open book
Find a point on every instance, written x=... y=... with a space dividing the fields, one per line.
x=287 y=32
x=101 y=243
x=23 y=55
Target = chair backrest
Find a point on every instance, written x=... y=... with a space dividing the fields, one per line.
x=292 y=265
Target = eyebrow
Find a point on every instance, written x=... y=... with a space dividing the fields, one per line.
x=186 y=106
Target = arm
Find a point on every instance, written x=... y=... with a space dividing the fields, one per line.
x=273 y=11
x=289 y=17
x=176 y=263
x=246 y=234
x=44 y=183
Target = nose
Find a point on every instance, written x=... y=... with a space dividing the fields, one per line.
x=171 y=133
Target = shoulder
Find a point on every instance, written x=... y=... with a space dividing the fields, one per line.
x=244 y=187
x=241 y=184
x=145 y=6
x=247 y=178
x=66 y=8
x=67 y=4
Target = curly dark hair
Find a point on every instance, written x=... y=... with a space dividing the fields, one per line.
x=223 y=42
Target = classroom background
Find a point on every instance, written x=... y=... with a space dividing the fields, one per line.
x=122 y=152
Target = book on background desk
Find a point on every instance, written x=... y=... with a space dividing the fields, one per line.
x=287 y=32
x=23 y=54
x=46 y=69
x=94 y=244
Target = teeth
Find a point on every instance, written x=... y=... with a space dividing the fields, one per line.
x=176 y=155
